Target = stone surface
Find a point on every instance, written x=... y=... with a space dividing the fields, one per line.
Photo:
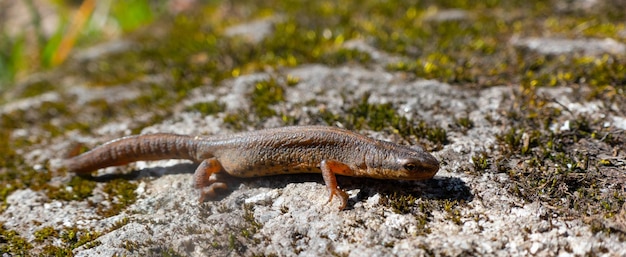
x=558 y=46
x=288 y=215
x=292 y=215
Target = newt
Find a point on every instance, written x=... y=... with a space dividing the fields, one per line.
x=287 y=150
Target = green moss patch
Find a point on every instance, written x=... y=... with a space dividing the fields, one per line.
x=121 y=193
x=379 y=117
x=266 y=93
x=77 y=189
x=561 y=168
x=422 y=210
x=574 y=171
x=207 y=108
x=12 y=243
x=70 y=238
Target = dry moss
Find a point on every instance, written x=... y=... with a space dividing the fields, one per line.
x=560 y=168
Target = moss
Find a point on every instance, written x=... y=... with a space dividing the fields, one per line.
x=422 y=209
x=237 y=121
x=604 y=162
x=49 y=121
x=292 y=80
x=232 y=242
x=401 y=204
x=345 y=56
x=266 y=93
x=71 y=238
x=10 y=159
x=511 y=140
x=163 y=251
x=18 y=175
x=45 y=116
x=598 y=226
x=380 y=117
x=372 y=116
x=446 y=50
x=119 y=224
x=74 y=237
x=191 y=51
x=423 y=218
x=605 y=74
x=121 y=193
x=207 y=108
x=480 y=162
x=131 y=246
x=137 y=127
x=248 y=216
x=554 y=166
x=241 y=234
x=45 y=233
x=12 y=243
x=52 y=250
x=188 y=54
x=36 y=88
x=465 y=123
x=452 y=212
x=77 y=189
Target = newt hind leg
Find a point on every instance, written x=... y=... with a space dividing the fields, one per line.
x=205 y=180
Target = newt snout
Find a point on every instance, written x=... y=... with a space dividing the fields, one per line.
x=429 y=165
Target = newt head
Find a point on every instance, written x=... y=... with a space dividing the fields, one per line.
x=418 y=168
x=401 y=162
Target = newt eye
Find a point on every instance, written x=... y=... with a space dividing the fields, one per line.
x=410 y=166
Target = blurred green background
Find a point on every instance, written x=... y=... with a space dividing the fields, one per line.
x=39 y=34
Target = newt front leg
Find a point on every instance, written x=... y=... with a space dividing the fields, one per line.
x=329 y=169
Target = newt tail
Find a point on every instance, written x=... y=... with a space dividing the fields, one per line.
x=129 y=149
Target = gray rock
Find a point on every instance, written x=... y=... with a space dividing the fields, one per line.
x=557 y=46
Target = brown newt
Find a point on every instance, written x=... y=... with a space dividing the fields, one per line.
x=286 y=150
